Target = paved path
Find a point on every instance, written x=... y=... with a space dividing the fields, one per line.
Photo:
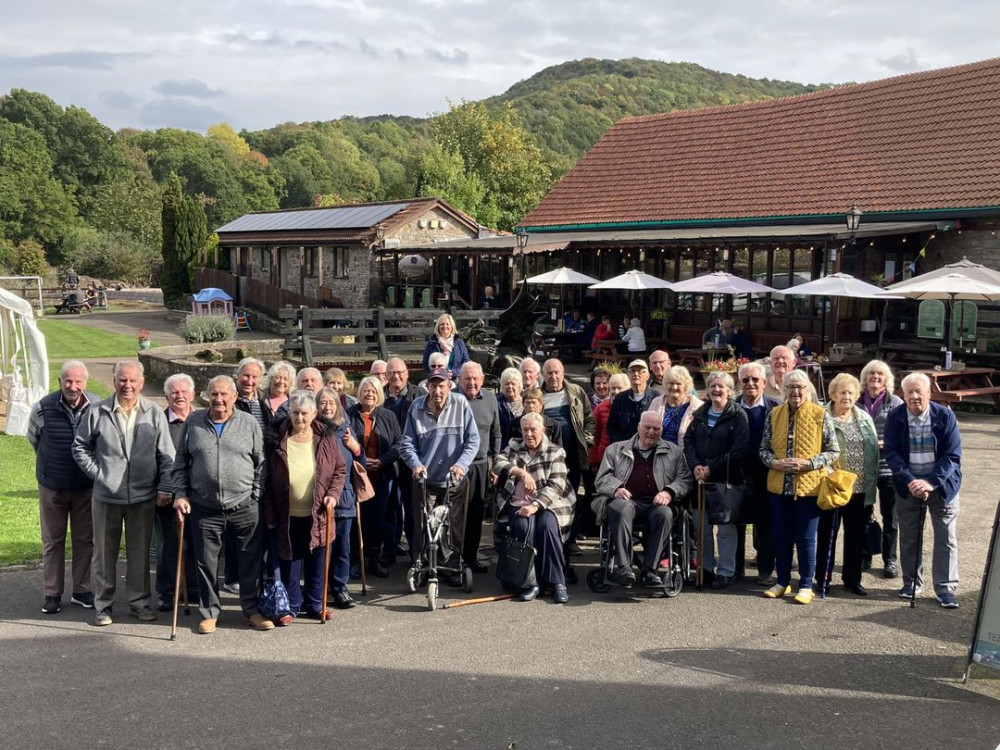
x=709 y=669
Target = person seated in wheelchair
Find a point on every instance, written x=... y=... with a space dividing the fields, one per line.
x=440 y=440
x=534 y=487
x=638 y=480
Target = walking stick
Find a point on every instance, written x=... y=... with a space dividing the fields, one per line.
x=918 y=563
x=177 y=576
x=326 y=564
x=700 y=574
x=183 y=577
x=361 y=552
x=828 y=568
x=480 y=600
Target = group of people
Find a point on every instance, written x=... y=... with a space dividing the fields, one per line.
x=281 y=461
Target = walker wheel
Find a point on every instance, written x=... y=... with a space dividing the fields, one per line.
x=411 y=580
x=595 y=579
x=467 y=579
x=432 y=595
x=675 y=585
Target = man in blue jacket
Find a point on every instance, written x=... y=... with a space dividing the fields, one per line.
x=924 y=450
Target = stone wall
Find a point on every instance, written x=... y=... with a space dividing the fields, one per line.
x=161 y=363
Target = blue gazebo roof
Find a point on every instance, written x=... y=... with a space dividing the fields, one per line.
x=211 y=294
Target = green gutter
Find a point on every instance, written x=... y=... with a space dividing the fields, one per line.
x=928 y=214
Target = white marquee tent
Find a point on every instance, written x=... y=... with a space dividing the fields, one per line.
x=24 y=361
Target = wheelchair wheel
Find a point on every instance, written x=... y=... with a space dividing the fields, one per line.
x=467 y=579
x=674 y=584
x=432 y=595
x=411 y=580
x=595 y=579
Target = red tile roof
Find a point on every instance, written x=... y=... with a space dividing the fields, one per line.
x=917 y=142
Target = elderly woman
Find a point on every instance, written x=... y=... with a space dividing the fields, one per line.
x=378 y=430
x=533 y=401
x=334 y=418
x=878 y=399
x=279 y=384
x=858 y=442
x=676 y=404
x=714 y=447
x=336 y=379
x=446 y=340
x=635 y=337
x=799 y=444
x=599 y=387
x=305 y=476
x=535 y=485
x=616 y=384
x=509 y=401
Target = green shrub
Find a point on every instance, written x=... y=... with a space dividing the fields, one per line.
x=30 y=259
x=202 y=329
x=993 y=345
x=114 y=256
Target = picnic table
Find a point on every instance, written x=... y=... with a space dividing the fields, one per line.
x=560 y=344
x=952 y=386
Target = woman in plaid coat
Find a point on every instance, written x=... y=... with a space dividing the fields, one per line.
x=535 y=490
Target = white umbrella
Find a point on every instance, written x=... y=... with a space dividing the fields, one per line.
x=949 y=286
x=839 y=285
x=634 y=281
x=562 y=276
x=965 y=267
x=720 y=282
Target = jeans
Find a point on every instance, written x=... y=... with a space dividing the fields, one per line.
x=794 y=522
x=304 y=562
x=727 y=538
x=340 y=554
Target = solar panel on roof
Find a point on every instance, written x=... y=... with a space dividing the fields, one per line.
x=338 y=217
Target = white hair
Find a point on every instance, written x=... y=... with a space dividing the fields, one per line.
x=119 y=366
x=301 y=400
x=475 y=367
x=916 y=377
x=178 y=377
x=246 y=362
x=73 y=364
x=534 y=418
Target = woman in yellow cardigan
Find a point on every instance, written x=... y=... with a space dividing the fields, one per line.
x=799 y=444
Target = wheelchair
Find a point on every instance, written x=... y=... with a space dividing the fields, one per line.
x=676 y=560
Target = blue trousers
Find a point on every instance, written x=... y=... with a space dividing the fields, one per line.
x=794 y=522
x=549 y=559
x=305 y=563
x=340 y=554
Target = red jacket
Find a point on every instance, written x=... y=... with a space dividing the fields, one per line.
x=603 y=332
x=331 y=471
x=601 y=437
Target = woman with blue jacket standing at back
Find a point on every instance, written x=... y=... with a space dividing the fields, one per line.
x=447 y=341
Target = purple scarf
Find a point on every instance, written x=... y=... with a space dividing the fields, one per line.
x=873 y=407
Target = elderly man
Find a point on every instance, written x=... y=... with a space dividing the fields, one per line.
x=659 y=361
x=530 y=373
x=782 y=361
x=63 y=489
x=217 y=484
x=380 y=370
x=924 y=450
x=628 y=406
x=400 y=393
x=639 y=479
x=180 y=393
x=487 y=415
x=757 y=406
x=718 y=336
x=568 y=405
x=440 y=442
x=251 y=398
x=123 y=444
x=309 y=379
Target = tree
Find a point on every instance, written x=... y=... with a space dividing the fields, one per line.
x=29 y=259
x=184 y=231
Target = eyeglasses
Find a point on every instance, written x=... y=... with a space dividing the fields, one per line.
x=795 y=387
x=751 y=380
x=396 y=372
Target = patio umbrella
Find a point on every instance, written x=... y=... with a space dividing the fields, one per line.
x=562 y=277
x=841 y=285
x=634 y=281
x=965 y=267
x=720 y=282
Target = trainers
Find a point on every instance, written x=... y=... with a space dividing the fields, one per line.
x=805 y=596
x=145 y=614
x=907 y=591
x=257 y=621
x=560 y=595
x=103 y=617
x=777 y=591
x=623 y=576
x=207 y=626
x=231 y=588
x=343 y=600
x=52 y=606
x=285 y=620
x=891 y=570
x=85 y=600
x=165 y=605
x=947 y=600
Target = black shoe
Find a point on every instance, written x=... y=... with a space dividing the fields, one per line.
x=377 y=569
x=559 y=594
x=891 y=570
x=856 y=589
x=528 y=594
x=721 y=582
x=623 y=576
x=387 y=559
x=343 y=600
x=866 y=564
x=573 y=549
x=650 y=580
x=85 y=600
x=52 y=606
x=165 y=605
x=478 y=567
x=454 y=580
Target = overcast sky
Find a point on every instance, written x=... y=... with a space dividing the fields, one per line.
x=256 y=63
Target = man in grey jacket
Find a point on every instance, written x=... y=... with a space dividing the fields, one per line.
x=217 y=484
x=639 y=479
x=487 y=416
x=123 y=445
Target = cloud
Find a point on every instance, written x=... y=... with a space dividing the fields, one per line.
x=79 y=60
x=118 y=99
x=179 y=113
x=454 y=57
x=191 y=88
x=906 y=63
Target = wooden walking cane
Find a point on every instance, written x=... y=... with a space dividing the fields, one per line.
x=700 y=574
x=177 y=576
x=361 y=551
x=326 y=564
x=480 y=600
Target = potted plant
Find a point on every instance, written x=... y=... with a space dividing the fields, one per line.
x=658 y=319
x=143 y=337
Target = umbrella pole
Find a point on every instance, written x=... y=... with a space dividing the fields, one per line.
x=822 y=334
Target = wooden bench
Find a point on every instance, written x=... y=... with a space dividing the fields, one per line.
x=957 y=396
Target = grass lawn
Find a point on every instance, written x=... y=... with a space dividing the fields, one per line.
x=68 y=340
x=22 y=536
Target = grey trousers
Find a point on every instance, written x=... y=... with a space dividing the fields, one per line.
x=56 y=510
x=944 y=558
x=659 y=520
x=138 y=519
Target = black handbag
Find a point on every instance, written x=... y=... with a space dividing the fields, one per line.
x=516 y=563
x=724 y=501
x=873 y=538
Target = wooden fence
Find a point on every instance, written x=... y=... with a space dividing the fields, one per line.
x=213 y=277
